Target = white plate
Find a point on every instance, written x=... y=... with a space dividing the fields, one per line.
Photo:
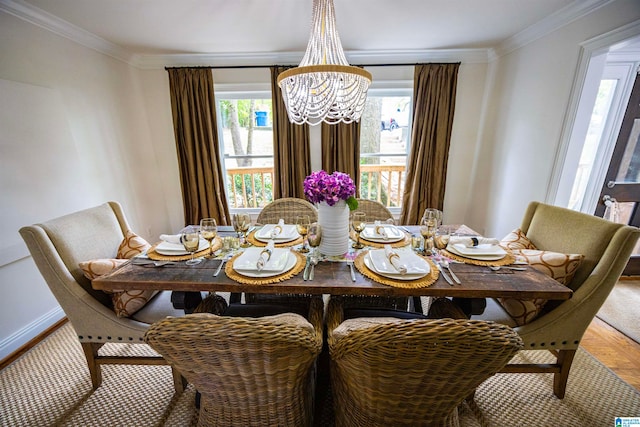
x=290 y=262
x=415 y=264
x=393 y=234
x=484 y=254
x=175 y=249
x=287 y=234
x=247 y=261
x=396 y=276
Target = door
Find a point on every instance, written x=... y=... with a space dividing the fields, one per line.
x=621 y=186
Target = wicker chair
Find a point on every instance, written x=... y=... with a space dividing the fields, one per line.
x=410 y=372
x=375 y=211
x=606 y=247
x=287 y=209
x=250 y=371
x=57 y=247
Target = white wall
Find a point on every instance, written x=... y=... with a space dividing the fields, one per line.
x=524 y=119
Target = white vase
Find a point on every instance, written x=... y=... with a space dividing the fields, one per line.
x=334 y=221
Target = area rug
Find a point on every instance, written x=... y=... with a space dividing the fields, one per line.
x=50 y=385
x=620 y=309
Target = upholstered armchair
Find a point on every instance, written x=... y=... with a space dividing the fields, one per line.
x=250 y=371
x=606 y=247
x=58 y=247
x=389 y=371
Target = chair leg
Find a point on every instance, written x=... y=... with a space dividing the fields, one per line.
x=565 y=358
x=91 y=354
x=179 y=382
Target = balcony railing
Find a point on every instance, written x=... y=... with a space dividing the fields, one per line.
x=252 y=187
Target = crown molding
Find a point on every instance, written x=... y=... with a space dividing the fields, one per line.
x=551 y=23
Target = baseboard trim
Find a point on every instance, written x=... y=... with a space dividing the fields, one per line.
x=30 y=335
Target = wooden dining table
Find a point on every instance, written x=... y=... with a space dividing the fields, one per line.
x=334 y=278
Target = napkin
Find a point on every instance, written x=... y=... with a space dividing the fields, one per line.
x=277 y=229
x=394 y=259
x=265 y=255
x=471 y=242
x=171 y=238
x=379 y=229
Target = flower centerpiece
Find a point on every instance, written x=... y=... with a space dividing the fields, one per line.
x=330 y=188
x=334 y=195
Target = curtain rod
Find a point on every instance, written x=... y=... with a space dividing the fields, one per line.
x=221 y=67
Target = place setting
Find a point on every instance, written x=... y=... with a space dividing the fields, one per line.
x=376 y=234
x=477 y=250
x=192 y=244
x=398 y=267
x=283 y=235
x=264 y=264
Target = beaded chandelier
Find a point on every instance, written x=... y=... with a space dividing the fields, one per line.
x=324 y=87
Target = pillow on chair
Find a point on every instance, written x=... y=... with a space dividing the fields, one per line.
x=561 y=267
x=125 y=303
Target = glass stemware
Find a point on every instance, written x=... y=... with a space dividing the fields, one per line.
x=302 y=225
x=434 y=214
x=428 y=227
x=358 y=223
x=314 y=237
x=209 y=231
x=241 y=224
x=190 y=239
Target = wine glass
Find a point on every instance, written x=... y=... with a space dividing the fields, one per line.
x=209 y=230
x=190 y=239
x=241 y=222
x=314 y=237
x=428 y=227
x=302 y=225
x=358 y=223
x=435 y=214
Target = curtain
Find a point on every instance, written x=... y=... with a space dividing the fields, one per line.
x=434 y=93
x=291 y=156
x=194 y=123
x=341 y=150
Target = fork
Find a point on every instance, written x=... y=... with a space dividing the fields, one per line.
x=446 y=265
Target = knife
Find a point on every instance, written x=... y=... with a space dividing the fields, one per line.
x=305 y=274
x=353 y=273
x=219 y=267
x=446 y=277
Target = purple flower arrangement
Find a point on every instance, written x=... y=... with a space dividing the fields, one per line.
x=330 y=188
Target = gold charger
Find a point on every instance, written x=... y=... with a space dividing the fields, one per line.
x=297 y=268
x=152 y=254
x=422 y=282
x=400 y=243
x=508 y=259
x=251 y=238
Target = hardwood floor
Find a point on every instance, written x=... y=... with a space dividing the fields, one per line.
x=615 y=350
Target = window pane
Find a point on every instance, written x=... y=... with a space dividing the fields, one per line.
x=247 y=142
x=384 y=145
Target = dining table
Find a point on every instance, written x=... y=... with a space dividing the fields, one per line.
x=333 y=276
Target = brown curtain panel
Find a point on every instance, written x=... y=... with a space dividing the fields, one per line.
x=194 y=123
x=434 y=94
x=341 y=150
x=291 y=158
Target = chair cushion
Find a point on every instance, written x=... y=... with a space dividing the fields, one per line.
x=561 y=267
x=157 y=308
x=125 y=303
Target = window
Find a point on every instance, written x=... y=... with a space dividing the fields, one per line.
x=384 y=146
x=246 y=135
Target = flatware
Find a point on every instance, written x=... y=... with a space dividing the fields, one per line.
x=313 y=266
x=444 y=274
x=498 y=268
x=353 y=273
x=446 y=265
x=305 y=274
x=220 y=266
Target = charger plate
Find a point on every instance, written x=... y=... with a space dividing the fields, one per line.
x=251 y=238
x=234 y=275
x=423 y=282
x=400 y=243
x=506 y=260
x=152 y=254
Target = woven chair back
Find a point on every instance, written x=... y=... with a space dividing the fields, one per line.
x=414 y=372
x=375 y=211
x=287 y=209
